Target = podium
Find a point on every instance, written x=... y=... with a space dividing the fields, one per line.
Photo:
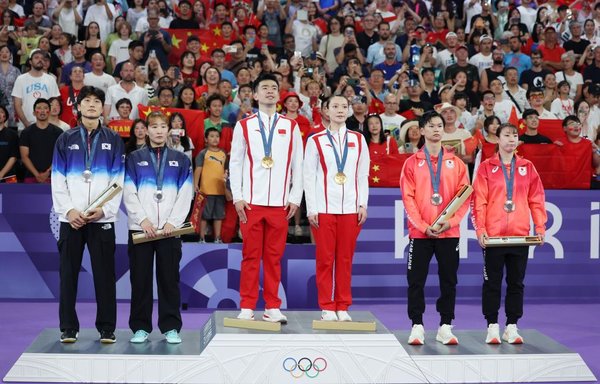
x=219 y=354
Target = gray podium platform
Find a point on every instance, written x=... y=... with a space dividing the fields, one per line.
x=217 y=354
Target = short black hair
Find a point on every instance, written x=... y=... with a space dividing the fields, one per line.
x=570 y=119
x=160 y=90
x=134 y=44
x=88 y=90
x=428 y=116
x=265 y=77
x=123 y=101
x=533 y=90
x=529 y=112
x=41 y=100
x=209 y=130
x=213 y=97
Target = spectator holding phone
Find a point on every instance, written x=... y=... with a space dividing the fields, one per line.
x=157 y=42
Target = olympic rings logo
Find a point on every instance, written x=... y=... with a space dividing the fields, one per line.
x=304 y=366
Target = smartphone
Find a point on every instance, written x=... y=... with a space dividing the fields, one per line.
x=152 y=53
x=310 y=71
x=229 y=49
x=313 y=56
x=352 y=82
x=176 y=132
x=144 y=69
x=10 y=28
x=297 y=54
x=177 y=72
x=283 y=63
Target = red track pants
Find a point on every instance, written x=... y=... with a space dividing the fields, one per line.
x=335 y=243
x=265 y=235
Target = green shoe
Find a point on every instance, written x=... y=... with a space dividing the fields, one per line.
x=173 y=337
x=139 y=337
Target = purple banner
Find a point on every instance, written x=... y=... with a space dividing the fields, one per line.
x=566 y=267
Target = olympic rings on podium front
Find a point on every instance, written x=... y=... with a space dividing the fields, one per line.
x=298 y=368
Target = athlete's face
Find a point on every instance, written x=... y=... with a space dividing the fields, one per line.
x=338 y=110
x=267 y=93
x=432 y=131
x=158 y=130
x=508 y=140
x=91 y=107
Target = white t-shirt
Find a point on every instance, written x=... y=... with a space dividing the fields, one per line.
x=142 y=24
x=562 y=108
x=304 y=34
x=392 y=125
x=103 y=81
x=29 y=89
x=573 y=80
x=119 y=49
x=520 y=97
x=474 y=10
x=444 y=59
x=98 y=14
x=134 y=16
x=18 y=10
x=66 y=20
x=137 y=95
x=528 y=16
x=481 y=62
x=458 y=134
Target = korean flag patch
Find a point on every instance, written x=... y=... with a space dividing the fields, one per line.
x=173 y=163
x=106 y=146
x=522 y=171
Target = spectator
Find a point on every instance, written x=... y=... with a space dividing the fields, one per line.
x=534 y=77
x=178 y=138
x=483 y=60
x=514 y=93
x=28 y=42
x=187 y=65
x=135 y=49
x=333 y=42
x=210 y=80
x=551 y=50
x=143 y=23
x=125 y=88
x=368 y=35
x=535 y=96
x=379 y=143
x=64 y=52
x=8 y=77
x=572 y=127
x=68 y=95
x=462 y=53
x=589 y=122
x=490 y=127
x=427 y=81
x=563 y=106
x=305 y=33
x=136 y=13
x=97 y=77
x=32 y=85
x=410 y=135
x=37 y=144
x=124 y=108
x=101 y=12
x=576 y=43
x=494 y=72
x=356 y=122
x=78 y=51
x=157 y=42
x=414 y=106
x=528 y=13
x=185 y=19
x=550 y=90
x=38 y=16
x=272 y=15
x=214 y=109
x=390 y=119
x=209 y=179
x=390 y=65
x=67 y=16
x=569 y=74
x=186 y=98
x=9 y=147
x=447 y=57
x=376 y=52
x=93 y=43
x=452 y=133
x=460 y=82
x=218 y=59
x=119 y=48
x=137 y=136
x=291 y=105
x=531 y=135
x=231 y=111
x=55 y=113
x=516 y=58
x=165 y=98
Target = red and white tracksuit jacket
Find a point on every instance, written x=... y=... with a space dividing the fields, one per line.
x=267 y=191
x=337 y=209
x=415 y=184
x=488 y=212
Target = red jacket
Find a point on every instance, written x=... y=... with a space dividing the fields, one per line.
x=415 y=184
x=488 y=212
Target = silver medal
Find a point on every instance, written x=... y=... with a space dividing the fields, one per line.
x=509 y=206
x=158 y=196
x=436 y=199
x=87 y=176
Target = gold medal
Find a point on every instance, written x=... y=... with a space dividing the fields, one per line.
x=267 y=162
x=340 y=178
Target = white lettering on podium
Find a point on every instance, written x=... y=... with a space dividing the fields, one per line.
x=554 y=211
x=595 y=230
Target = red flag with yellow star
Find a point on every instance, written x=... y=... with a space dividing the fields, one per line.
x=209 y=40
x=385 y=170
x=194 y=123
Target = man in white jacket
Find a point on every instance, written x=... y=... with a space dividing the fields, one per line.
x=266 y=183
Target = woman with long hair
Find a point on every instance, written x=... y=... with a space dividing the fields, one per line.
x=137 y=136
x=379 y=143
x=504 y=204
x=55 y=112
x=92 y=42
x=8 y=76
x=187 y=98
x=178 y=138
x=118 y=47
x=187 y=64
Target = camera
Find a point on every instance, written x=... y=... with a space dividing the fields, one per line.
x=310 y=71
x=352 y=82
x=152 y=53
x=177 y=132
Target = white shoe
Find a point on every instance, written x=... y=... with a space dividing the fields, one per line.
x=246 y=314
x=343 y=316
x=298 y=231
x=511 y=334
x=328 y=316
x=493 y=334
x=417 y=335
x=445 y=335
x=274 y=315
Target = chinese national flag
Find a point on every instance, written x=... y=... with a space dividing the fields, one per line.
x=552 y=128
x=209 y=40
x=194 y=123
x=385 y=170
x=122 y=127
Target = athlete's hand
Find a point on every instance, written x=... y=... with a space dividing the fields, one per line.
x=240 y=208
x=148 y=229
x=293 y=208
x=76 y=219
x=541 y=236
x=168 y=229
x=94 y=215
x=314 y=220
x=444 y=227
x=362 y=215
x=482 y=238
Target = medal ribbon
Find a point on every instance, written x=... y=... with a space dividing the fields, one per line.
x=90 y=148
x=267 y=144
x=510 y=181
x=159 y=168
x=340 y=164
x=435 y=178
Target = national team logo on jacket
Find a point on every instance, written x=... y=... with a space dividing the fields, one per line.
x=143 y=163
x=495 y=169
x=106 y=146
x=281 y=131
x=421 y=163
x=522 y=171
x=74 y=147
x=449 y=163
x=173 y=163
x=352 y=145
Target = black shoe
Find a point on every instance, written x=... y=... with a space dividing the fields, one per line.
x=69 y=336
x=107 y=337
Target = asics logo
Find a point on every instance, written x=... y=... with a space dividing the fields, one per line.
x=304 y=366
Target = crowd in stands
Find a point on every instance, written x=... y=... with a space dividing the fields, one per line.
x=480 y=63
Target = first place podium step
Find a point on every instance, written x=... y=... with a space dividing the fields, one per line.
x=296 y=353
